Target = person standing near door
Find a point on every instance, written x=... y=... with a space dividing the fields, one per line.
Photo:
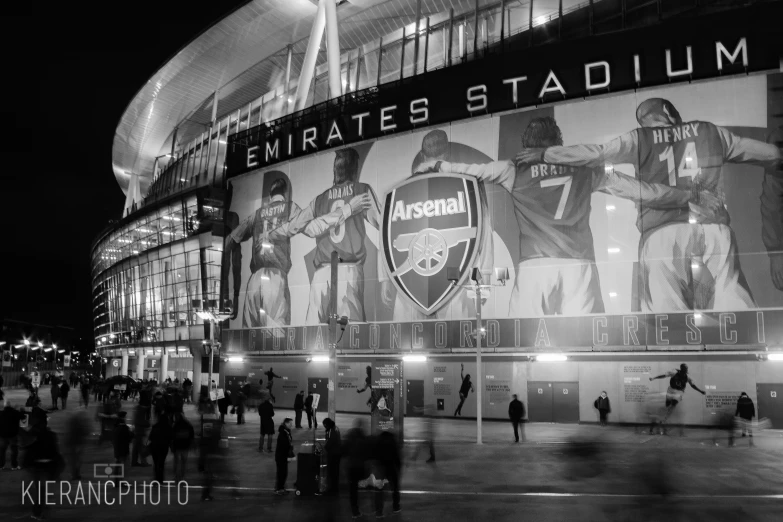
x=308 y=404
x=516 y=412
x=298 y=407
x=603 y=407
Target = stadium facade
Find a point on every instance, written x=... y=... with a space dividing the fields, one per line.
x=609 y=170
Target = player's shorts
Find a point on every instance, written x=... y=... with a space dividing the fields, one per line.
x=673 y=397
x=460 y=307
x=350 y=293
x=555 y=286
x=672 y=284
x=267 y=290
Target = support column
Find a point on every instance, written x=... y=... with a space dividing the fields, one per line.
x=124 y=367
x=140 y=364
x=164 y=366
x=332 y=49
x=311 y=55
x=196 y=374
x=287 y=80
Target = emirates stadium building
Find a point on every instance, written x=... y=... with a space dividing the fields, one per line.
x=354 y=196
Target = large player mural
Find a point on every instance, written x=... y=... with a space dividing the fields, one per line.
x=648 y=218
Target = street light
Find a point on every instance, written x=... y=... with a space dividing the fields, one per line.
x=453 y=275
x=214 y=318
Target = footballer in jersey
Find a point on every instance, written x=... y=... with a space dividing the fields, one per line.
x=556 y=273
x=688 y=257
x=436 y=146
x=336 y=220
x=677 y=381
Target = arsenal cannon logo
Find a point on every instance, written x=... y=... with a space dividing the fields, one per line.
x=431 y=222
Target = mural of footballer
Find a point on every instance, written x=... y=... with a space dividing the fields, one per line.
x=556 y=272
x=689 y=156
x=267 y=296
x=336 y=219
x=436 y=146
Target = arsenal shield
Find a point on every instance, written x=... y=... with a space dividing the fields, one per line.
x=431 y=222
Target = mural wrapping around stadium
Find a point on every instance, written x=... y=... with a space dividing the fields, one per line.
x=652 y=218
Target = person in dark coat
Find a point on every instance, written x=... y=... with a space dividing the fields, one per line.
x=223 y=405
x=42 y=458
x=77 y=432
x=159 y=441
x=55 y=392
x=266 y=411
x=387 y=455
x=298 y=407
x=182 y=439
x=355 y=451
x=9 y=433
x=334 y=451
x=603 y=407
x=746 y=410
x=64 y=389
x=141 y=426
x=240 y=407
x=284 y=453
x=85 y=389
x=516 y=412
x=122 y=439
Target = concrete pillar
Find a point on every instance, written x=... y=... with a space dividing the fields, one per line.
x=124 y=367
x=164 y=366
x=139 y=364
x=196 y=374
x=332 y=49
x=311 y=55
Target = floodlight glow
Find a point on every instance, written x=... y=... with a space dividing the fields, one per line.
x=320 y=358
x=775 y=357
x=551 y=357
x=414 y=358
x=613 y=250
x=235 y=359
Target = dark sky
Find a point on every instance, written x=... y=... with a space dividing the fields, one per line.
x=68 y=72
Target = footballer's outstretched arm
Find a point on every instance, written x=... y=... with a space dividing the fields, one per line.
x=658 y=377
x=696 y=387
x=737 y=149
x=772 y=223
x=623 y=149
x=652 y=195
x=500 y=173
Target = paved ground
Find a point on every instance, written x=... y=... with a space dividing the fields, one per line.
x=635 y=476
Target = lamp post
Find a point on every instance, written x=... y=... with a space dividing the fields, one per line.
x=453 y=275
x=214 y=318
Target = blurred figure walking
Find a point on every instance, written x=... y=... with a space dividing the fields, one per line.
x=334 y=451
x=746 y=410
x=64 y=389
x=9 y=433
x=76 y=432
x=298 y=407
x=387 y=454
x=122 y=439
x=284 y=453
x=266 y=412
x=141 y=425
x=603 y=407
x=355 y=450
x=429 y=413
x=159 y=441
x=308 y=404
x=42 y=458
x=516 y=412
x=182 y=440
x=223 y=404
x=55 y=392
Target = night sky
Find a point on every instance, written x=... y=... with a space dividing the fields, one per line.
x=69 y=71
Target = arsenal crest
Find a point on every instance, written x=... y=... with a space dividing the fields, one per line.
x=431 y=222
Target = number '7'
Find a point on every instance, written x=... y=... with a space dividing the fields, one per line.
x=553 y=182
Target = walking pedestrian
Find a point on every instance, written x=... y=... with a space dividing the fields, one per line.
x=209 y=448
x=141 y=425
x=159 y=441
x=121 y=439
x=240 y=407
x=223 y=404
x=183 y=435
x=76 y=433
x=355 y=450
x=284 y=453
x=516 y=412
x=85 y=389
x=266 y=411
x=387 y=455
x=603 y=407
x=333 y=449
x=298 y=407
x=746 y=410
x=43 y=459
x=187 y=388
x=64 y=389
x=9 y=435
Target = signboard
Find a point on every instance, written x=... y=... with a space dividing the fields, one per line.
x=115 y=363
x=737 y=41
x=120 y=387
x=316 y=400
x=386 y=392
x=6 y=357
x=36 y=379
x=220 y=394
x=67 y=360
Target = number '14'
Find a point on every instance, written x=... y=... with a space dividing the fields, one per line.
x=689 y=163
